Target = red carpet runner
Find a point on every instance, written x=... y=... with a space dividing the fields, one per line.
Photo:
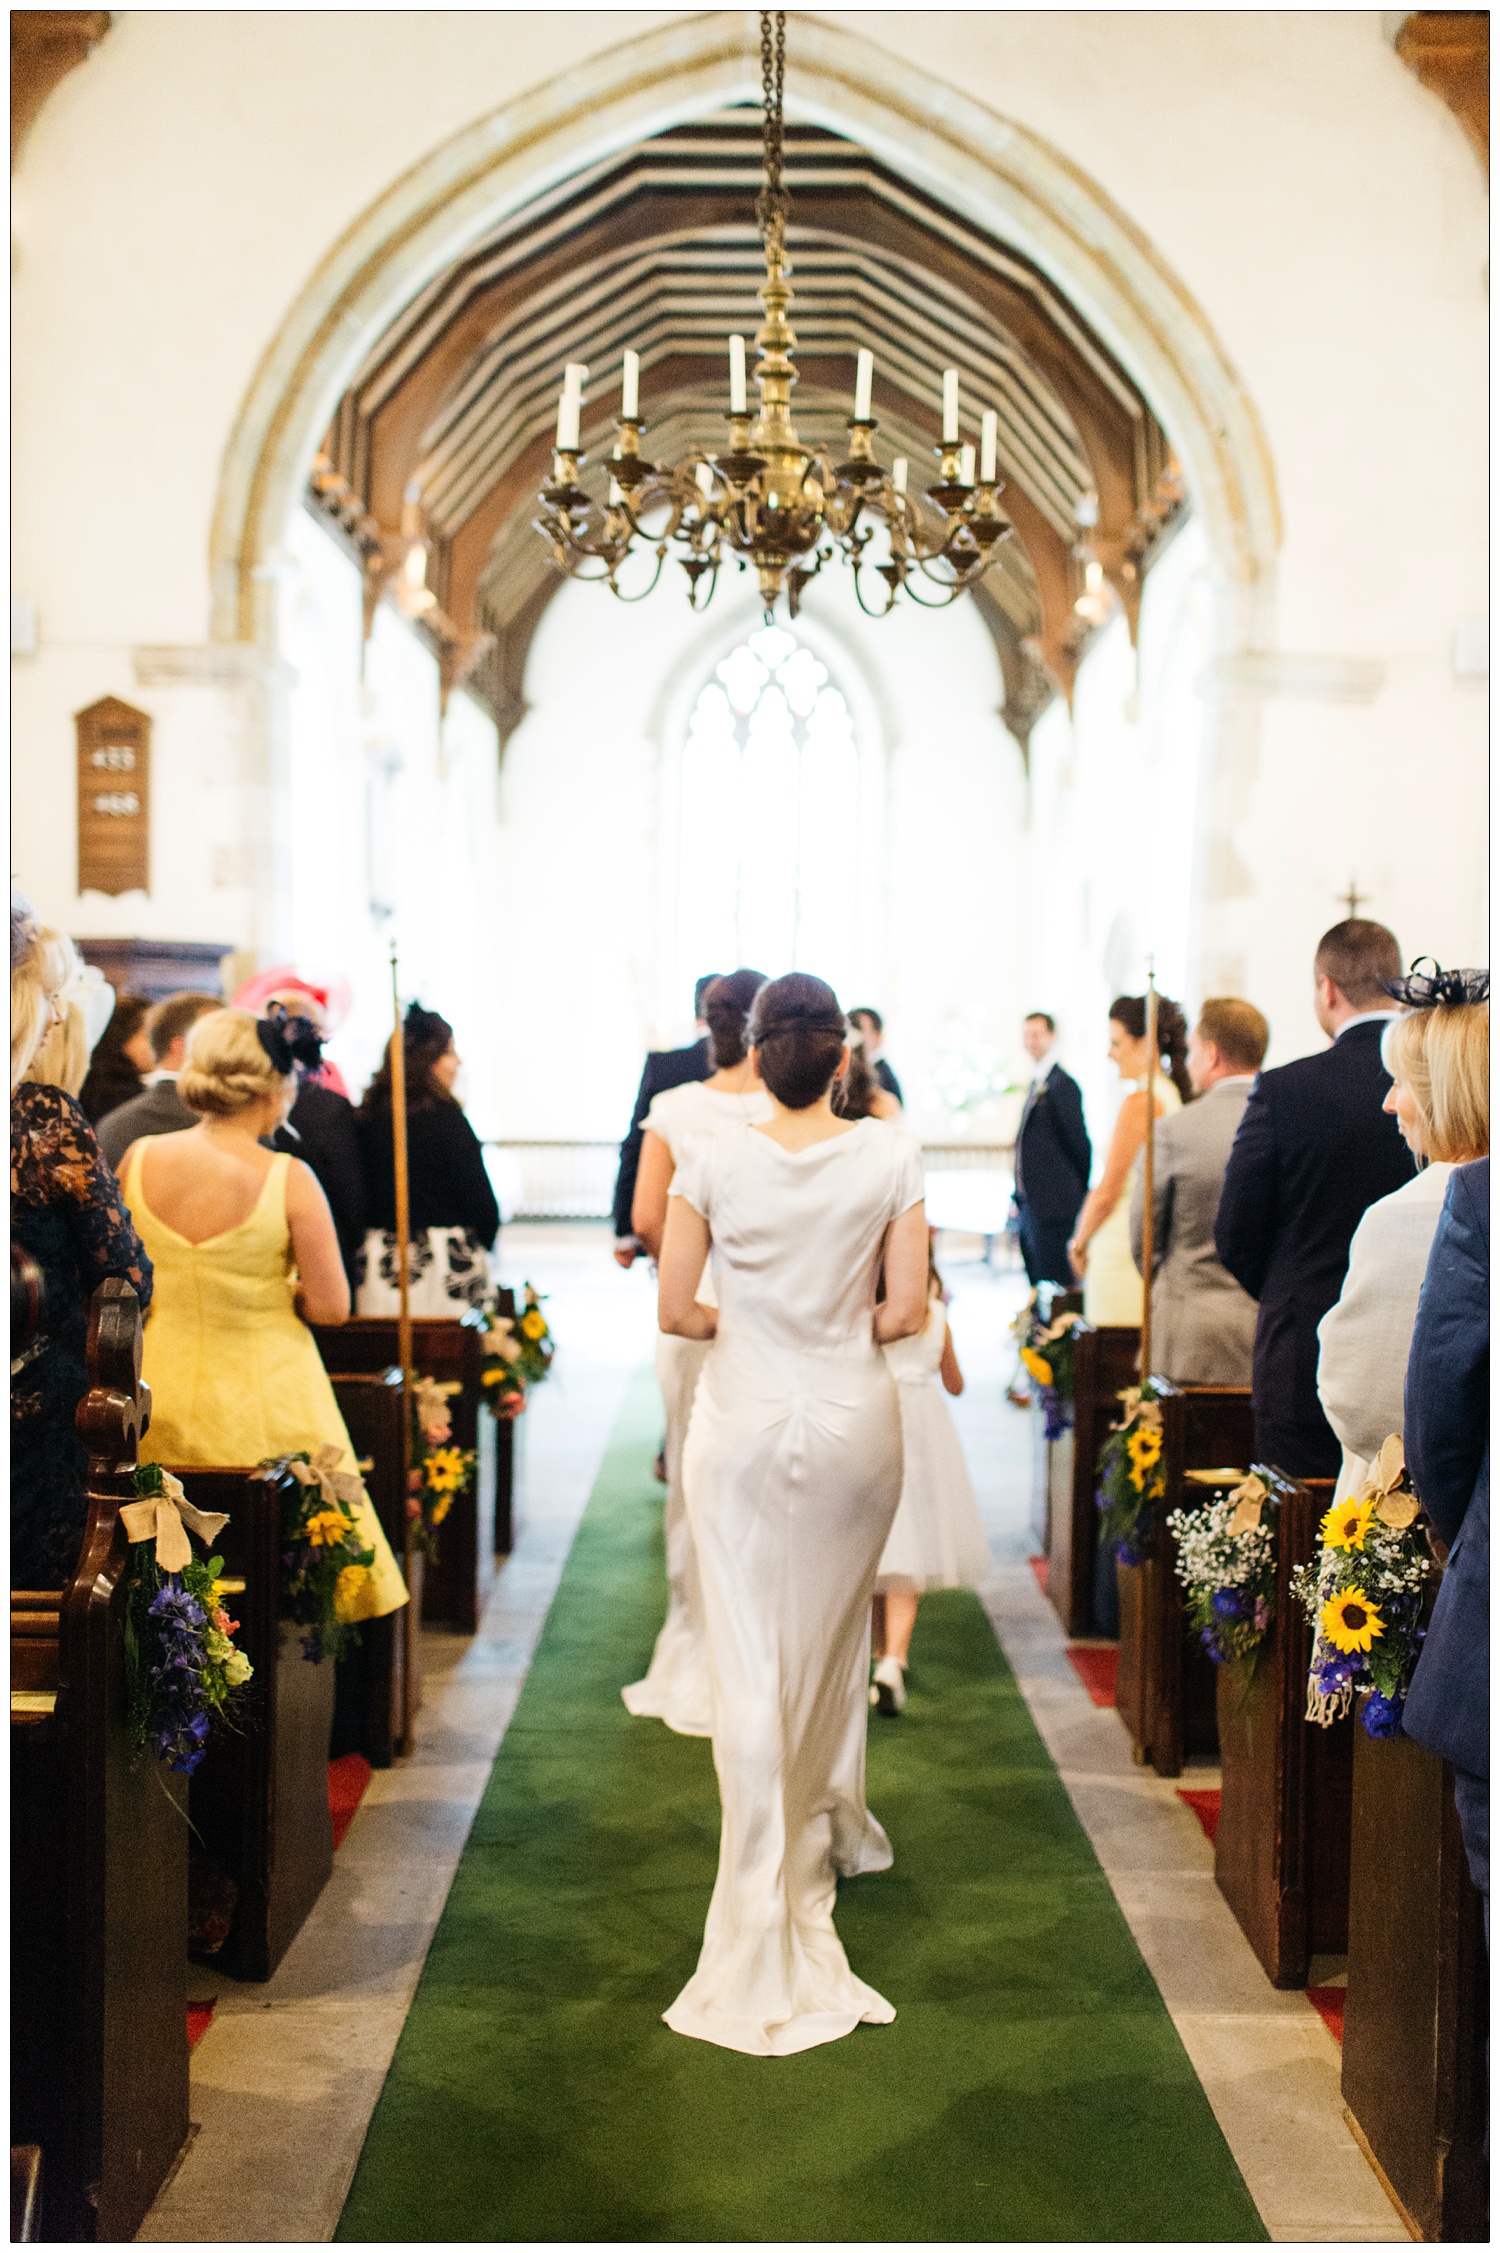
x=1205 y=1805
x=1096 y=1665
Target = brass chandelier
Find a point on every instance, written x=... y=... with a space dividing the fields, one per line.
x=769 y=501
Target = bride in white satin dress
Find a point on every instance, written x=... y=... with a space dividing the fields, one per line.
x=675 y=1688
x=791 y=1473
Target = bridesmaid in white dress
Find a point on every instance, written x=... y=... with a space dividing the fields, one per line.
x=1100 y=1250
x=792 y=1471
x=675 y=1687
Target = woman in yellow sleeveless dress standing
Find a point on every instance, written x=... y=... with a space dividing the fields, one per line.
x=245 y=1255
x=1100 y=1250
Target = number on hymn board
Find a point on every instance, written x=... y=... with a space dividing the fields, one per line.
x=114 y=825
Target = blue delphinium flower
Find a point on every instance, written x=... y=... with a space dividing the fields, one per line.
x=1382 y=1715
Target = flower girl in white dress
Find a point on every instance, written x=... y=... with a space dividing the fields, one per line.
x=938 y=1538
x=791 y=1473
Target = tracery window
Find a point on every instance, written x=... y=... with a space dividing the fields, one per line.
x=770 y=817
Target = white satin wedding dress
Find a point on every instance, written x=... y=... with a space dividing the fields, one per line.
x=674 y=1687
x=791 y=1472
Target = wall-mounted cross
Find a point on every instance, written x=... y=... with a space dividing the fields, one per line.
x=1354 y=899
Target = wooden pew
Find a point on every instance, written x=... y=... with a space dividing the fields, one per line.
x=259 y=1799
x=99 y=2058
x=1165 y=1684
x=1281 y=1858
x=1104 y=1364
x=1416 y=2021
x=458 y=1581
x=1051 y=1459
x=368 y=1708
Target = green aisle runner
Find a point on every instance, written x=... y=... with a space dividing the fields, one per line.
x=1032 y=2086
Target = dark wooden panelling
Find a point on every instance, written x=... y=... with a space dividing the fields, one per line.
x=1103 y=1365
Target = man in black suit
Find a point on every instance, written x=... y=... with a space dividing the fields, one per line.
x=665 y=1067
x=1053 y=1157
x=1314 y=1149
x=320 y=1130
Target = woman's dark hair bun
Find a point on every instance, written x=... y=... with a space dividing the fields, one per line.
x=1129 y=1010
x=726 y=1006
x=801 y=1033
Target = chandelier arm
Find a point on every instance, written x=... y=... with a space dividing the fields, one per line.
x=646 y=590
x=890 y=600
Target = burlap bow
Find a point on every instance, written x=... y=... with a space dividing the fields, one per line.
x=1249 y=1499
x=323 y=1472
x=1138 y=1408
x=168 y=1516
x=1385 y=1475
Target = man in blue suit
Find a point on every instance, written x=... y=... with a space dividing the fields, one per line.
x=1447 y=1440
x=1052 y=1160
x=1314 y=1149
x=665 y=1067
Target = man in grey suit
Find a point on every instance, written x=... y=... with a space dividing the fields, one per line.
x=160 y=1110
x=1202 y=1322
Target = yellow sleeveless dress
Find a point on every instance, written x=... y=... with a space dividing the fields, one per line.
x=234 y=1372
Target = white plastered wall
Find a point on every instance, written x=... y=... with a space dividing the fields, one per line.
x=1319 y=210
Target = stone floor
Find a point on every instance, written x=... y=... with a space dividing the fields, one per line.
x=286 y=2077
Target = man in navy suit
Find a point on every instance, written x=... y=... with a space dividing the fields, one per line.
x=1314 y=1149
x=1053 y=1157
x=1447 y=1440
x=665 y=1067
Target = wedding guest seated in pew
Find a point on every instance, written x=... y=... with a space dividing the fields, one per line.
x=1448 y=1454
x=68 y=1215
x=1438 y=1056
x=1313 y=1152
x=246 y=1257
x=321 y=1130
x=1202 y=1321
x=121 y=1059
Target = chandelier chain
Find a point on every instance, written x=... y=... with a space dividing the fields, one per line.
x=772 y=207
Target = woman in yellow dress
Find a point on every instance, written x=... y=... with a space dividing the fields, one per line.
x=245 y=1255
x=1100 y=1250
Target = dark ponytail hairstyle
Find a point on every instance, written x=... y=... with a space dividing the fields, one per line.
x=800 y=1030
x=1129 y=1010
x=426 y=1038
x=726 y=1006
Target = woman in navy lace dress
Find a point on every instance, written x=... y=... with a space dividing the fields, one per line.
x=67 y=1213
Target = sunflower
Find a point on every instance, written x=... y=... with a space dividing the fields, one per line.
x=446 y=1470
x=327 y=1529
x=1037 y=1364
x=1346 y=1526
x=350 y=1582
x=440 y=1508
x=533 y=1326
x=1350 y=1621
x=1143 y=1448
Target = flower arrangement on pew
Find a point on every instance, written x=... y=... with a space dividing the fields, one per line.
x=519 y=1350
x=183 y=1671
x=1130 y=1475
x=1047 y=1351
x=439 y=1469
x=324 y=1559
x=1226 y=1561
x=1363 y=1593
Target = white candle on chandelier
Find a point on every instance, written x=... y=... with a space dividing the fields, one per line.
x=705 y=477
x=898 y=473
x=966 y=466
x=864 y=378
x=575 y=375
x=989 y=430
x=950 y=406
x=630 y=388
x=737 y=375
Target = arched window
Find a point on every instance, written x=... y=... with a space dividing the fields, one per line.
x=770 y=820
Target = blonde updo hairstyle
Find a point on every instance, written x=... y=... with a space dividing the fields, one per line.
x=225 y=1068
x=63 y=1058
x=1443 y=1056
x=42 y=963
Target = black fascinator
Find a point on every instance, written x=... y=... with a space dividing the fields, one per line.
x=289 y=1041
x=424 y=1028
x=1435 y=988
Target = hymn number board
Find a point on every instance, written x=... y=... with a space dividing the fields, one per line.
x=114 y=797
